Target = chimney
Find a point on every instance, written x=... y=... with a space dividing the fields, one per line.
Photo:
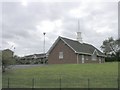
x=79 y=38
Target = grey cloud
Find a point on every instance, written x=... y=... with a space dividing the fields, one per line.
x=19 y=23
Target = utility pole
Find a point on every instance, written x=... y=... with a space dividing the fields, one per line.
x=14 y=50
x=44 y=43
x=78 y=25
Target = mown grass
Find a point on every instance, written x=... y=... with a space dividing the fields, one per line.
x=70 y=75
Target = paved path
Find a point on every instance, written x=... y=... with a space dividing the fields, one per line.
x=26 y=66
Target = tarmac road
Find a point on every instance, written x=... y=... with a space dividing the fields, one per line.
x=26 y=66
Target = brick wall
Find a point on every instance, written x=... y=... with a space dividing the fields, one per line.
x=68 y=54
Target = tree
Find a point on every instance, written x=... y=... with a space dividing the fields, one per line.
x=111 y=47
x=118 y=49
x=17 y=59
x=7 y=59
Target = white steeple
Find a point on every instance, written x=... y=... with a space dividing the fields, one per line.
x=79 y=37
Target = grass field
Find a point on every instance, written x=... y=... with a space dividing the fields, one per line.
x=65 y=76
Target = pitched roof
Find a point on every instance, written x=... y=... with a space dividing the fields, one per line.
x=35 y=55
x=77 y=47
x=7 y=50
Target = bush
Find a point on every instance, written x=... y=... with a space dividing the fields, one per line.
x=111 y=59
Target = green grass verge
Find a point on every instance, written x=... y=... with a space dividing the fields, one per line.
x=70 y=75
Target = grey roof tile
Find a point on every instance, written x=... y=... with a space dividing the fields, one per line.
x=81 y=47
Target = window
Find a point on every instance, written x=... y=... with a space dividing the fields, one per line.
x=87 y=57
x=94 y=57
x=82 y=58
x=60 y=55
x=99 y=59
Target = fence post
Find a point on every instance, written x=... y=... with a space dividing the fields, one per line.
x=32 y=83
x=60 y=82
x=88 y=83
x=8 y=82
x=118 y=83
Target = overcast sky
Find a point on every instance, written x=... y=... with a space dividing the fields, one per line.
x=23 y=23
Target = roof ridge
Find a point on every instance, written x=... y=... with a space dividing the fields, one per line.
x=68 y=39
x=90 y=45
x=73 y=40
x=79 y=42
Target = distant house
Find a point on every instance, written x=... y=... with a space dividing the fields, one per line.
x=33 y=59
x=7 y=58
x=65 y=51
x=8 y=53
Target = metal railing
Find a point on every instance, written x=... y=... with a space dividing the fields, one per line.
x=60 y=82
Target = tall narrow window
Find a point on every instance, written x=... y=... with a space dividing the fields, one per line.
x=60 y=55
x=94 y=57
x=99 y=59
x=82 y=58
x=87 y=57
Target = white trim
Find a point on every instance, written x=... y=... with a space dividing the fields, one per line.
x=95 y=51
x=94 y=55
x=83 y=53
x=53 y=45
x=57 y=42
x=89 y=54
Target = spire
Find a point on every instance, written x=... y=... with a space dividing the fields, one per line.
x=79 y=37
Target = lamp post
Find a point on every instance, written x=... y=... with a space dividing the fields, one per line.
x=14 y=50
x=44 y=43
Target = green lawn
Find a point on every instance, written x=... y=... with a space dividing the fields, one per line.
x=65 y=76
